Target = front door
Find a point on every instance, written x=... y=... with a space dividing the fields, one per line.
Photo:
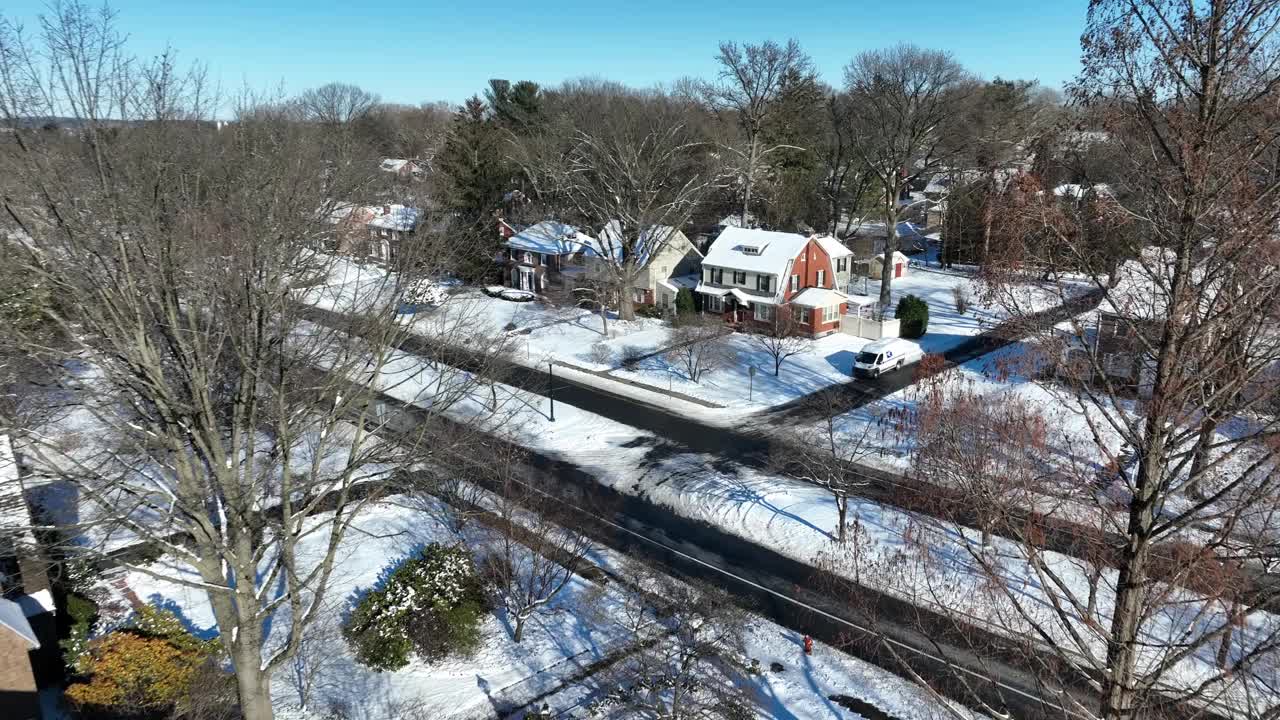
x=897 y=270
x=526 y=279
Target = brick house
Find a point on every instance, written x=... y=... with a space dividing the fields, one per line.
x=540 y=257
x=749 y=276
x=376 y=232
x=29 y=655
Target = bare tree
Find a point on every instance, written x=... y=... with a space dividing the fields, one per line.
x=905 y=100
x=694 y=669
x=1170 y=461
x=336 y=103
x=537 y=546
x=236 y=435
x=781 y=337
x=633 y=169
x=827 y=456
x=698 y=347
x=752 y=80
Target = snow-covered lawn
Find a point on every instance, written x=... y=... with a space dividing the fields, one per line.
x=935 y=569
x=560 y=642
x=829 y=361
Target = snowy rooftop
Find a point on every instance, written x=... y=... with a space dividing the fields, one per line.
x=833 y=247
x=387 y=217
x=760 y=251
x=819 y=298
x=877 y=229
x=12 y=617
x=393 y=164
x=1072 y=190
x=552 y=238
x=611 y=241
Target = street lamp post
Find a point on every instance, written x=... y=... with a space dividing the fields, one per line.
x=551 y=389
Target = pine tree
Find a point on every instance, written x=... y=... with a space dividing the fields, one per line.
x=476 y=175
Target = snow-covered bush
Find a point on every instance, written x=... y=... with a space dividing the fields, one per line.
x=430 y=605
x=601 y=353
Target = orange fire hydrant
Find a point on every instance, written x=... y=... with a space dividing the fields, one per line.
x=808 y=645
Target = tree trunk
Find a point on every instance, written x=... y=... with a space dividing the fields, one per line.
x=890 y=247
x=988 y=216
x=842 y=512
x=750 y=180
x=1224 y=648
x=252 y=685
x=626 y=307
x=1200 y=455
x=1119 y=693
x=519 y=633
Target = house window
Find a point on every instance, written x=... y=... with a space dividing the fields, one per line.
x=842 y=264
x=763 y=312
x=764 y=282
x=830 y=314
x=739 y=278
x=526 y=258
x=822 y=278
x=795 y=283
x=638 y=295
x=711 y=303
x=542 y=258
x=715 y=275
x=801 y=314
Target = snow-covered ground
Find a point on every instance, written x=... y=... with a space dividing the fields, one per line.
x=541 y=333
x=934 y=569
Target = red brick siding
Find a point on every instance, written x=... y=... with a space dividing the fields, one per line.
x=807 y=264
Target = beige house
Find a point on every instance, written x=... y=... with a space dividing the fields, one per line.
x=674 y=264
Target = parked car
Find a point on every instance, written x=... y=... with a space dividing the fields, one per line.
x=881 y=356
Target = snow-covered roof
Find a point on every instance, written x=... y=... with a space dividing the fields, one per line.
x=393 y=164
x=735 y=220
x=746 y=296
x=12 y=617
x=553 y=238
x=711 y=290
x=897 y=257
x=676 y=282
x=815 y=297
x=611 y=241
x=1141 y=288
x=879 y=229
x=399 y=217
x=387 y=217
x=833 y=247
x=1073 y=190
x=759 y=251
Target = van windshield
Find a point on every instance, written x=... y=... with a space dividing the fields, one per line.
x=867 y=358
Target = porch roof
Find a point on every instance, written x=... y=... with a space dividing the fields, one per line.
x=816 y=297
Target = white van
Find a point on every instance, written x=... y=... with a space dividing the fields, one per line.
x=881 y=356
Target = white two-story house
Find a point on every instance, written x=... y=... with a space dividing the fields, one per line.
x=749 y=276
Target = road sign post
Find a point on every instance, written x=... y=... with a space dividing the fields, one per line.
x=751 y=382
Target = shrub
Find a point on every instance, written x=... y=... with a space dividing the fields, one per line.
x=684 y=302
x=913 y=313
x=649 y=311
x=601 y=353
x=83 y=613
x=148 y=668
x=961 y=296
x=431 y=605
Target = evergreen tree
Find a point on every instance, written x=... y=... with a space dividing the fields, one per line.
x=476 y=174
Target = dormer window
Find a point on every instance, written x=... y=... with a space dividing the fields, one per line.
x=750 y=250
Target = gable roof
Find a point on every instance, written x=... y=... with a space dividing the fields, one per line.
x=12 y=617
x=776 y=249
x=833 y=247
x=663 y=235
x=552 y=238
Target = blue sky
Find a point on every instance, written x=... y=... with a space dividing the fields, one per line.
x=411 y=51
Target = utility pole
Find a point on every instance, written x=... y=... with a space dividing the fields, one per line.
x=551 y=389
